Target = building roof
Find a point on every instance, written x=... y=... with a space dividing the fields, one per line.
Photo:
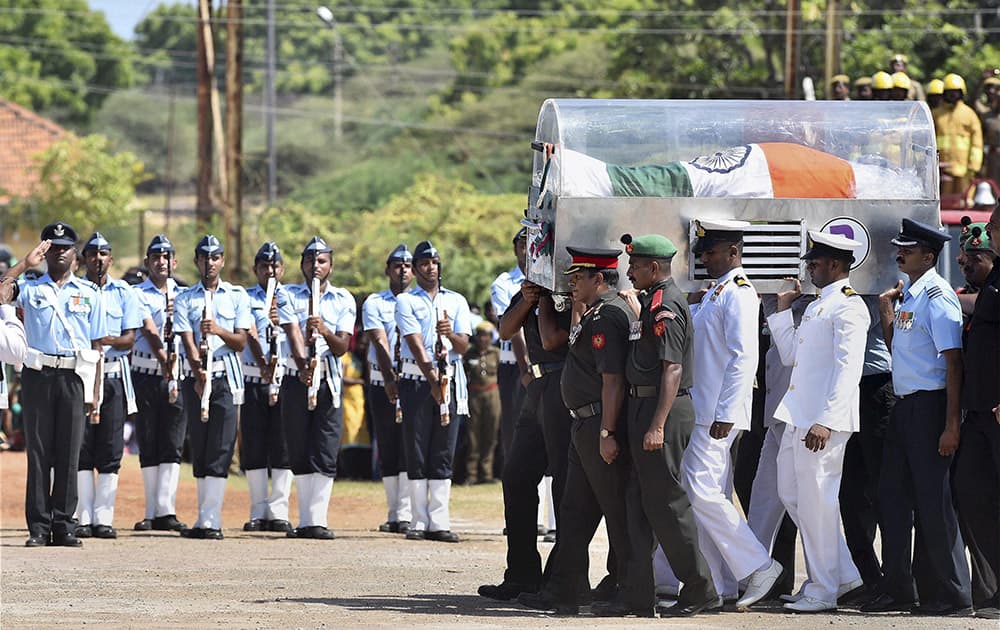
x=23 y=135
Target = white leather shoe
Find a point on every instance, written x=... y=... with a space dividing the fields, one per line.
x=810 y=605
x=760 y=584
x=842 y=590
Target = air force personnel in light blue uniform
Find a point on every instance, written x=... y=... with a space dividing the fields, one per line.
x=64 y=324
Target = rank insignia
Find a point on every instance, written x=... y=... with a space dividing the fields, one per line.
x=741 y=281
x=657 y=300
x=659 y=328
x=848 y=291
x=665 y=314
x=597 y=341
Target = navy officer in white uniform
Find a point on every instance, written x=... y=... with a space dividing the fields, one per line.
x=827 y=353
x=64 y=324
x=725 y=342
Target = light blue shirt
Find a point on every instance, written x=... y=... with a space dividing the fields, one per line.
x=927 y=322
x=336 y=306
x=504 y=287
x=232 y=311
x=123 y=311
x=416 y=313
x=379 y=312
x=259 y=310
x=62 y=320
x=154 y=305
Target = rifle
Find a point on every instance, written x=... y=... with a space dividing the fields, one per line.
x=398 y=356
x=204 y=349
x=442 y=366
x=95 y=414
x=315 y=371
x=272 y=336
x=170 y=340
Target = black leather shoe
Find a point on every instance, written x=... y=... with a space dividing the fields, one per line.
x=297 y=532
x=279 y=526
x=886 y=603
x=144 y=525
x=416 y=534
x=255 y=525
x=103 y=531
x=505 y=591
x=403 y=527
x=619 y=609
x=542 y=600
x=987 y=612
x=941 y=609
x=681 y=609
x=168 y=523
x=318 y=532
x=212 y=534
x=193 y=532
x=389 y=527
x=65 y=540
x=37 y=541
x=605 y=590
x=82 y=531
x=443 y=535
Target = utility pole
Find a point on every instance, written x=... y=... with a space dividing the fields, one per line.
x=203 y=207
x=832 y=51
x=791 y=49
x=326 y=15
x=234 y=129
x=269 y=105
x=168 y=186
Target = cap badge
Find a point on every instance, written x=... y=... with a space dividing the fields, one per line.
x=59 y=230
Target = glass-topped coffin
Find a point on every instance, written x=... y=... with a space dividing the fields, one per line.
x=641 y=166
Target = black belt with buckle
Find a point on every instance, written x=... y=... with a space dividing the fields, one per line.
x=586 y=411
x=538 y=370
x=651 y=391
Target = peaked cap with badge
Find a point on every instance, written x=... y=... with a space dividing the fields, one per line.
x=425 y=249
x=826 y=245
x=522 y=233
x=316 y=246
x=59 y=233
x=649 y=246
x=160 y=244
x=401 y=254
x=593 y=259
x=209 y=245
x=913 y=233
x=97 y=242
x=268 y=252
x=713 y=231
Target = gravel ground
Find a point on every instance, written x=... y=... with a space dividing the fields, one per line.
x=363 y=578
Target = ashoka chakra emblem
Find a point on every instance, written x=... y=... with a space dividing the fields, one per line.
x=723 y=161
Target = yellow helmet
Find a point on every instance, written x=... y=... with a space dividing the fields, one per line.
x=954 y=82
x=900 y=80
x=881 y=81
x=840 y=78
x=935 y=87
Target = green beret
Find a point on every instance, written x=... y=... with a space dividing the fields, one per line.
x=649 y=245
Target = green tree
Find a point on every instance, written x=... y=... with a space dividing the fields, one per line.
x=82 y=183
x=61 y=57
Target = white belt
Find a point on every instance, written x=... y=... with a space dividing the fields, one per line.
x=112 y=368
x=144 y=364
x=251 y=370
x=508 y=357
x=412 y=371
x=57 y=361
x=375 y=376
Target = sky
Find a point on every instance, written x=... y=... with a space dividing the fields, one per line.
x=123 y=15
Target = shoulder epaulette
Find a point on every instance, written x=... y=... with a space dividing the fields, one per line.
x=934 y=292
x=657 y=300
x=848 y=291
x=740 y=281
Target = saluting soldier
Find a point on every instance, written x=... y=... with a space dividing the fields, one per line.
x=161 y=423
x=725 y=341
x=378 y=317
x=263 y=445
x=593 y=389
x=217 y=332
x=104 y=442
x=924 y=334
x=435 y=324
x=311 y=403
x=660 y=420
x=64 y=324
x=826 y=352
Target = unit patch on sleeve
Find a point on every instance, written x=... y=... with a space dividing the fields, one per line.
x=597 y=341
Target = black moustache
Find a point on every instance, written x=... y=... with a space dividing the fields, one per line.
x=900 y=260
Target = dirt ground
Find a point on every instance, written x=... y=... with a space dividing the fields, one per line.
x=363 y=578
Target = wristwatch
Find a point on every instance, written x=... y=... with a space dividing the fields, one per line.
x=606 y=434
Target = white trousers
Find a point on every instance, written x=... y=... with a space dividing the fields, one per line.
x=809 y=487
x=766 y=509
x=730 y=547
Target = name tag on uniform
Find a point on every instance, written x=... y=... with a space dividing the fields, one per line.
x=574 y=332
x=904 y=320
x=79 y=304
x=635 y=330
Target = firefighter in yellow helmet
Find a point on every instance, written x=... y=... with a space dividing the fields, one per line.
x=840 y=89
x=863 y=89
x=935 y=93
x=881 y=86
x=959 y=138
x=901 y=85
x=898 y=63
